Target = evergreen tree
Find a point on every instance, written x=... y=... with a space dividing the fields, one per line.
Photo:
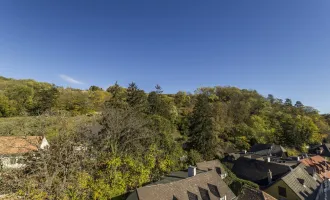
x=158 y=89
x=119 y=95
x=202 y=135
x=136 y=98
x=271 y=98
x=155 y=101
x=95 y=88
x=288 y=102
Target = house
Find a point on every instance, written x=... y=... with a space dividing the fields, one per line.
x=249 y=193
x=323 y=149
x=13 y=148
x=257 y=171
x=317 y=164
x=192 y=185
x=213 y=165
x=269 y=150
x=231 y=157
x=323 y=191
x=297 y=184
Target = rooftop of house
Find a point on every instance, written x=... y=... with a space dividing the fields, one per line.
x=11 y=145
x=260 y=147
x=301 y=183
x=265 y=149
x=321 y=166
x=205 y=185
x=249 y=193
x=256 y=170
x=211 y=165
x=327 y=145
x=324 y=190
x=175 y=176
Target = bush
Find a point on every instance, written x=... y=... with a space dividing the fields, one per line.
x=292 y=152
x=194 y=157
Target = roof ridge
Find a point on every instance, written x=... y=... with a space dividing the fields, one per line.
x=184 y=179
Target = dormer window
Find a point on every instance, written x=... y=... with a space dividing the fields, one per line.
x=301 y=181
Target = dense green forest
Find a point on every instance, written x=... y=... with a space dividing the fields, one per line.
x=140 y=136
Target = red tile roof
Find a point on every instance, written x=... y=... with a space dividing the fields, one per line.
x=321 y=166
x=10 y=145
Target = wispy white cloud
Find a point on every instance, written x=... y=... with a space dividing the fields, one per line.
x=70 y=79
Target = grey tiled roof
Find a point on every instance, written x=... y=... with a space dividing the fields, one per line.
x=301 y=183
x=207 y=185
x=211 y=165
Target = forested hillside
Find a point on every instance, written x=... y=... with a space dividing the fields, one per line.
x=141 y=136
x=242 y=117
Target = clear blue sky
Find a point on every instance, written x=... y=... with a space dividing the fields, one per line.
x=280 y=47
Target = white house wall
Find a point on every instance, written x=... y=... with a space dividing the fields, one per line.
x=44 y=143
x=6 y=164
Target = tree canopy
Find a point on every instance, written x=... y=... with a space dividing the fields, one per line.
x=142 y=135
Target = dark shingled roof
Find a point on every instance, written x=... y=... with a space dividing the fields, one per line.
x=249 y=193
x=266 y=149
x=259 y=147
x=256 y=170
x=327 y=145
x=207 y=185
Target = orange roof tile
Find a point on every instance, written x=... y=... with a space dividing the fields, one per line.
x=320 y=165
x=19 y=144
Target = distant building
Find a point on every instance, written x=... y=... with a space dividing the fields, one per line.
x=317 y=164
x=269 y=150
x=249 y=193
x=257 y=171
x=13 y=148
x=213 y=165
x=231 y=157
x=323 y=149
x=297 y=184
x=193 y=184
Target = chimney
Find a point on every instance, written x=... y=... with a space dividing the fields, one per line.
x=223 y=198
x=267 y=159
x=269 y=176
x=191 y=171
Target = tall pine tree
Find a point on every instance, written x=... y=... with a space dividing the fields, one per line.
x=202 y=134
x=136 y=98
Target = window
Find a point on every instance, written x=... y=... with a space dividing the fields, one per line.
x=282 y=191
x=204 y=193
x=20 y=160
x=192 y=196
x=12 y=161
